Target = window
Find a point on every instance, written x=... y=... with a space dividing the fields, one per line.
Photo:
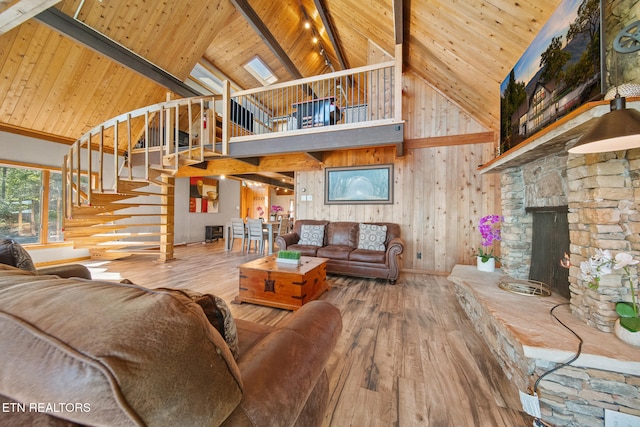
x=25 y=193
x=258 y=69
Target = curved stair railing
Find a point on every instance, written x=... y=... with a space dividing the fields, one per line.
x=118 y=177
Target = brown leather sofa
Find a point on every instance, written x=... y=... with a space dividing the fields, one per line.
x=12 y=253
x=341 y=245
x=88 y=352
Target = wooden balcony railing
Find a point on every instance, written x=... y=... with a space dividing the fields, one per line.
x=187 y=131
x=356 y=97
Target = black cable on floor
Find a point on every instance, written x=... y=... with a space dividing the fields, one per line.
x=562 y=365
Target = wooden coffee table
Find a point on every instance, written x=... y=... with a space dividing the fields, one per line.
x=264 y=281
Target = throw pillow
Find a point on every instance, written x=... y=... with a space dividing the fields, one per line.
x=312 y=235
x=219 y=316
x=12 y=253
x=372 y=237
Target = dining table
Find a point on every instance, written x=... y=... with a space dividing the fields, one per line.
x=268 y=225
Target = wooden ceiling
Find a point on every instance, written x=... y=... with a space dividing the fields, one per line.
x=53 y=85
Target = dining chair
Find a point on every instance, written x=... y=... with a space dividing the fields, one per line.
x=238 y=231
x=283 y=227
x=256 y=233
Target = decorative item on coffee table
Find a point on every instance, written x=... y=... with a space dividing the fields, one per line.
x=288 y=257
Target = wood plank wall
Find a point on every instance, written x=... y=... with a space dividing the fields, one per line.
x=438 y=194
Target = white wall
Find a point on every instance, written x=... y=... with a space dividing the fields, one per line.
x=19 y=148
x=189 y=227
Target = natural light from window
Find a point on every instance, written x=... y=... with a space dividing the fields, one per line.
x=260 y=71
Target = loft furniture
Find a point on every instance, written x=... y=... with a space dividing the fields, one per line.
x=264 y=281
x=132 y=356
x=317 y=112
x=341 y=244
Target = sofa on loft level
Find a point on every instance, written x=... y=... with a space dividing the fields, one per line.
x=358 y=249
x=88 y=352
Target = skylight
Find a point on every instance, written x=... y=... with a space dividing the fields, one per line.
x=260 y=71
x=206 y=78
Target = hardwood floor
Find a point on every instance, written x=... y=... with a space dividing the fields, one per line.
x=407 y=356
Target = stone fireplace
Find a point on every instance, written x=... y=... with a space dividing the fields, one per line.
x=602 y=196
x=600 y=191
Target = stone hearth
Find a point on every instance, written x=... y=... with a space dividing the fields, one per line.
x=527 y=341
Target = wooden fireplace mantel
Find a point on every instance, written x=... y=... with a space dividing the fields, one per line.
x=555 y=138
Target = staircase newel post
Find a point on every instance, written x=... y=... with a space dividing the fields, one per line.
x=398 y=84
x=226 y=116
x=168 y=209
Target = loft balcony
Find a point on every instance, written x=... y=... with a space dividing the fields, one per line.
x=343 y=110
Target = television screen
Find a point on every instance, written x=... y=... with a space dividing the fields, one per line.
x=558 y=72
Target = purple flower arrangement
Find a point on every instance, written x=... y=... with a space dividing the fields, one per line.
x=489 y=227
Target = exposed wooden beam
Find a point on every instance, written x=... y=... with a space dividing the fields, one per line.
x=15 y=12
x=261 y=29
x=441 y=141
x=316 y=155
x=328 y=26
x=228 y=166
x=96 y=41
x=265 y=180
x=4 y=127
x=398 y=24
x=330 y=139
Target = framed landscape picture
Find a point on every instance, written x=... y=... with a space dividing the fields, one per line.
x=561 y=70
x=359 y=185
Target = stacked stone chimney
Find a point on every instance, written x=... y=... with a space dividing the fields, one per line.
x=603 y=213
x=601 y=191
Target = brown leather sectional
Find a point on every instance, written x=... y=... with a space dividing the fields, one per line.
x=340 y=246
x=88 y=352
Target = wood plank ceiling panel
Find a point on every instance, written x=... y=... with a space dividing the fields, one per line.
x=62 y=88
x=173 y=35
x=285 y=21
x=466 y=50
x=232 y=48
x=359 y=22
x=462 y=48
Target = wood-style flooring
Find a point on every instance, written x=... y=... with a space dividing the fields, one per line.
x=407 y=356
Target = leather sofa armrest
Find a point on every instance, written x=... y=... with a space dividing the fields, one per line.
x=394 y=249
x=66 y=271
x=280 y=372
x=288 y=239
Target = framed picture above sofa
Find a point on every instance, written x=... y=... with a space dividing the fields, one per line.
x=358 y=185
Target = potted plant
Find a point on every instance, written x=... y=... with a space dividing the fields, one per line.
x=260 y=211
x=489 y=227
x=627 y=327
x=274 y=211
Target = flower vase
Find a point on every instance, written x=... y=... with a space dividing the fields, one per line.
x=629 y=337
x=489 y=265
x=272 y=218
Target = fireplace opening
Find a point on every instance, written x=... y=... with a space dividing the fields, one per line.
x=549 y=246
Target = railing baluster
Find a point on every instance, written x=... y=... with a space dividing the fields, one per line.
x=129 y=146
x=100 y=161
x=176 y=141
x=115 y=156
x=146 y=145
